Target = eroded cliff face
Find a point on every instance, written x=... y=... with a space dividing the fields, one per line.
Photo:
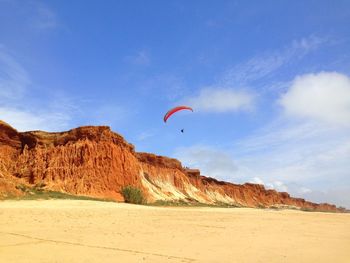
x=95 y=161
x=90 y=161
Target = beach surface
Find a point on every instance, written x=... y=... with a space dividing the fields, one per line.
x=92 y=231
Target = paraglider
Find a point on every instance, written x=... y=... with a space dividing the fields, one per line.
x=176 y=109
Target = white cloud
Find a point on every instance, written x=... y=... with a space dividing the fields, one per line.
x=221 y=100
x=324 y=96
x=212 y=162
x=278 y=186
x=24 y=120
x=256 y=180
x=293 y=188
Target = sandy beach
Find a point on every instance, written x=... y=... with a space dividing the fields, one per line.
x=91 y=231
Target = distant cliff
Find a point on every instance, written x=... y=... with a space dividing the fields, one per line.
x=95 y=161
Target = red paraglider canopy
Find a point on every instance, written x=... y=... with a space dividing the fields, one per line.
x=176 y=109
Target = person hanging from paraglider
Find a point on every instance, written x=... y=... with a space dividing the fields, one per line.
x=182 y=130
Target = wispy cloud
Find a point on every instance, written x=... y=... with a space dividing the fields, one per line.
x=33 y=15
x=262 y=66
x=141 y=58
x=145 y=135
x=221 y=100
x=44 y=17
x=13 y=78
x=17 y=103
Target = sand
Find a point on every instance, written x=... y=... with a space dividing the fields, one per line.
x=90 y=231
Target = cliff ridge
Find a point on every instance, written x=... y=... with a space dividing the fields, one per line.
x=95 y=161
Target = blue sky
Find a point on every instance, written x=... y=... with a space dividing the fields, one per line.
x=269 y=82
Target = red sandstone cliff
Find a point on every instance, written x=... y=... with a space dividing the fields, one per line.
x=97 y=162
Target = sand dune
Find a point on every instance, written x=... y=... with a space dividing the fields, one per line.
x=89 y=231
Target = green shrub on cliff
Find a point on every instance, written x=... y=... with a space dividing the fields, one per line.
x=133 y=195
